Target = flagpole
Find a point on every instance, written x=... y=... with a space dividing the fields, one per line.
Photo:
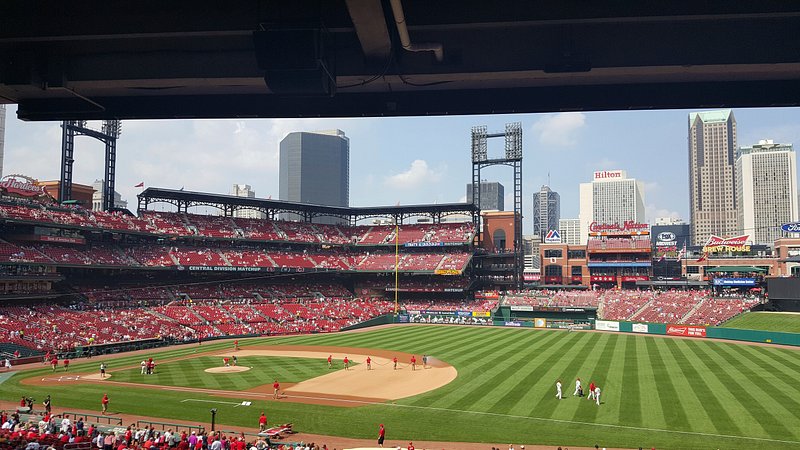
x=396 y=264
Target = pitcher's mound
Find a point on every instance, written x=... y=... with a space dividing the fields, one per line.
x=230 y=369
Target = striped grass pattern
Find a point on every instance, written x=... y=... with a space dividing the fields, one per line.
x=657 y=392
x=767 y=321
x=191 y=372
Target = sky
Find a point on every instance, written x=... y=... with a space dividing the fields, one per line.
x=407 y=160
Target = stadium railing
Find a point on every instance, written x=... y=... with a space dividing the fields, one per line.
x=95 y=417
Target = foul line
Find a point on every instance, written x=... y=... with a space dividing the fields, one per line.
x=541 y=419
x=208 y=401
x=607 y=425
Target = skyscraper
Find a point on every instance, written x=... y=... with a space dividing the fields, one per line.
x=766 y=186
x=244 y=190
x=570 y=230
x=492 y=196
x=546 y=211
x=97 y=197
x=611 y=198
x=712 y=194
x=315 y=169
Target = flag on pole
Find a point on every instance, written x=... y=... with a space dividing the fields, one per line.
x=140 y=184
x=703 y=257
x=682 y=253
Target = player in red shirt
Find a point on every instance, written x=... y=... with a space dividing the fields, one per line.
x=381 y=435
x=104 y=402
x=410 y=446
x=346 y=363
x=22 y=402
x=66 y=365
x=413 y=362
x=236 y=345
x=262 y=422
x=591 y=391
x=369 y=363
x=330 y=361
x=54 y=363
x=276 y=386
x=394 y=360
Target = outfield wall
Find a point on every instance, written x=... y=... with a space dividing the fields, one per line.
x=699 y=331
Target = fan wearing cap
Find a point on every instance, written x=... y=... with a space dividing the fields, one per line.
x=381 y=435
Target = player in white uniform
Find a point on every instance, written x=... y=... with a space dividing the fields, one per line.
x=597 y=394
x=577 y=387
x=558 y=389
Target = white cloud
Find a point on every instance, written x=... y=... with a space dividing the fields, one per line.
x=559 y=130
x=417 y=175
x=652 y=212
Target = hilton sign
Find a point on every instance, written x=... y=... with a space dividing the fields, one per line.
x=609 y=175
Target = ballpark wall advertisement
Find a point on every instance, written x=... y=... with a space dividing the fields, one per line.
x=686 y=330
x=606 y=325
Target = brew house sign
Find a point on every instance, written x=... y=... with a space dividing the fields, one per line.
x=21 y=185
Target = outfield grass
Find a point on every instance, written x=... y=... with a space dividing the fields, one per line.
x=767 y=321
x=191 y=372
x=657 y=392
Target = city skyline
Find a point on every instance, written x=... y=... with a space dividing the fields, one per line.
x=401 y=160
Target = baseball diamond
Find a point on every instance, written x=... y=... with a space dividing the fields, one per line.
x=656 y=391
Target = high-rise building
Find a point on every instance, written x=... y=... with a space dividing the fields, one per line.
x=766 y=186
x=244 y=190
x=663 y=221
x=712 y=184
x=2 y=136
x=315 y=169
x=611 y=198
x=98 y=196
x=492 y=196
x=570 y=230
x=546 y=211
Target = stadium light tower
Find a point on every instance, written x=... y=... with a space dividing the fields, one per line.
x=108 y=134
x=513 y=158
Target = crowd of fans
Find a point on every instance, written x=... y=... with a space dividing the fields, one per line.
x=106 y=254
x=206 y=226
x=59 y=431
x=692 y=307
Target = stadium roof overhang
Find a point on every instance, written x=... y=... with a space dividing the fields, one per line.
x=96 y=59
x=229 y=203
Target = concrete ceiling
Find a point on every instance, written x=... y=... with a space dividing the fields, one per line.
x=95 y=59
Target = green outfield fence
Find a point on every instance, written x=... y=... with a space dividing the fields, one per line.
x=700 y=331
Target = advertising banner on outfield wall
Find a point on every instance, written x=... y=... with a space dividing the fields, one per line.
x=481 y=313
x=540 y=323
x=639 y=328
x=605 y=325
x=686 y=330
x=521 y=308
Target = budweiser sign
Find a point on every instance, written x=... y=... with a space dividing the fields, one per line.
x=717 y=244
x=21 y=185
x=628 y=225
x=686 y=330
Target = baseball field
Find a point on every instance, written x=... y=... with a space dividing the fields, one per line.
x=493 y=385
x=767 y=321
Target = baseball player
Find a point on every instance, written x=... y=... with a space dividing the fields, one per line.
x=591 y=390
x=558 y=389
x=413 y=362
x=277 y=387
x=330 y=361
x=394 y=360
x=597 y=394
x=577 y=387
x=369 y=363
